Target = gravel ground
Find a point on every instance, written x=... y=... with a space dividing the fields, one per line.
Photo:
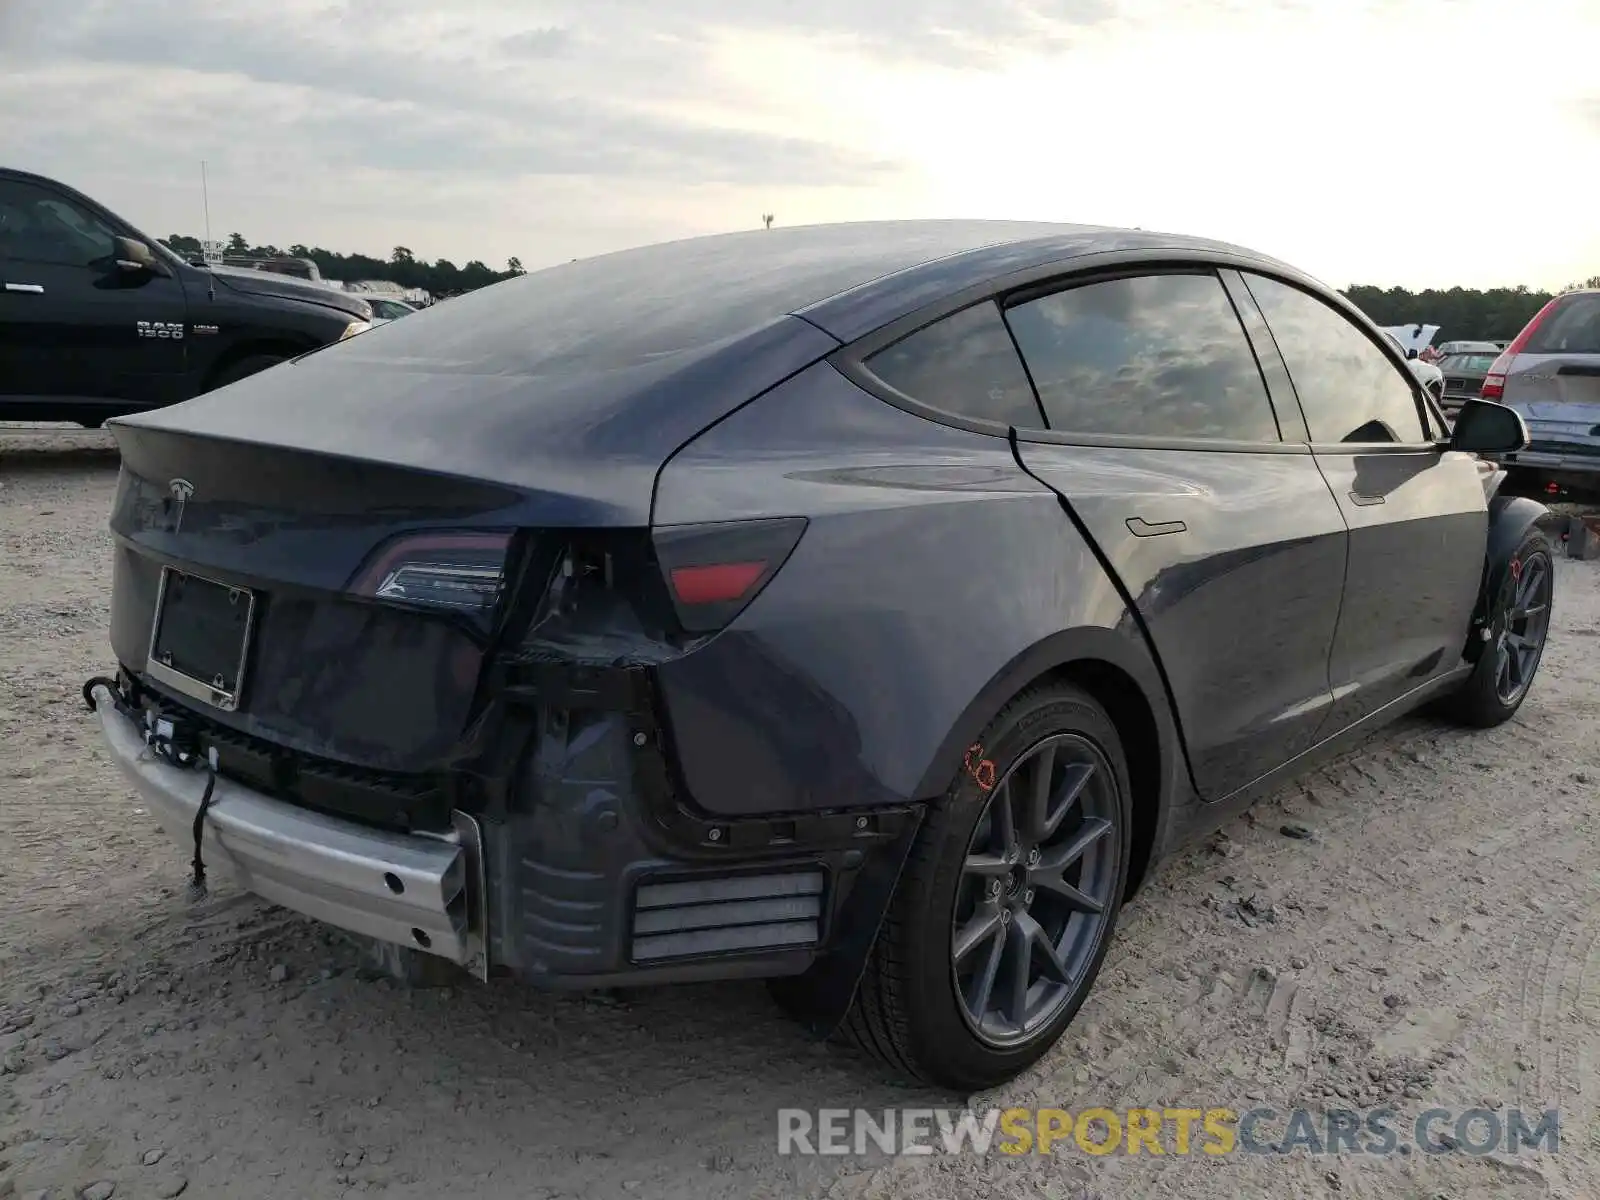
x=1434 y=944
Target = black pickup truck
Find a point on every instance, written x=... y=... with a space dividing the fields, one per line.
x=97 y=320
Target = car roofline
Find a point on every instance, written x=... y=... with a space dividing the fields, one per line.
x=966 y=276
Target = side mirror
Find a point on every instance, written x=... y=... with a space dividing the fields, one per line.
x=130 y=254
x=1484 y=427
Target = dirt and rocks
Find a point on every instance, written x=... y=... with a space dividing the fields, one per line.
x=1416 y=926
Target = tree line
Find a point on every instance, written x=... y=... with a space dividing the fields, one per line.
x=440 y=279
x=1462 y=314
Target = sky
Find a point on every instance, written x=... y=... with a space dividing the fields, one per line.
x=1397 y=142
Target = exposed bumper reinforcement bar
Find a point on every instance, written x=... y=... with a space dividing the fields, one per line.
x=417 y=891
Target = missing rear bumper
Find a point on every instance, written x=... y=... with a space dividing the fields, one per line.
x=604 y=872
x=414 y=890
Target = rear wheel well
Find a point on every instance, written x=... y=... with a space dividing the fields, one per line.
x=1125 y=703
x=237 y=354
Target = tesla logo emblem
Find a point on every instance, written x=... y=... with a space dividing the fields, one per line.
x=180 y=490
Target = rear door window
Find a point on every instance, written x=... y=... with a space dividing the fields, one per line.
x=1152 y=356
x=1573 y=327
x=964 y=364
x=1349 y=389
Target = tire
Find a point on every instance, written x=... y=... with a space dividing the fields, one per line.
x=914 y=1007
x=1482 y=702
x=244 y=368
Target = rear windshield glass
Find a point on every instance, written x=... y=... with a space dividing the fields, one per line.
x=1573 y=327
x=1467 y=363
x=636 y=308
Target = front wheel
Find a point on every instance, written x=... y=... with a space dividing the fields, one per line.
x=1519 y=620
x=1008 y=902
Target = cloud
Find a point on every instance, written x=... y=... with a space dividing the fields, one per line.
x=412 y=91
x=944 y=32
x=554 y=128
x=307 y=109
x=537 y=43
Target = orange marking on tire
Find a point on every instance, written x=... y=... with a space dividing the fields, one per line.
x=981 y=769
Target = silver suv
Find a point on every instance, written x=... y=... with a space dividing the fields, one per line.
x=1551 y=375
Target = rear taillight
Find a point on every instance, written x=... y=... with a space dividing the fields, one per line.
x=714 y=570
x=1494 y=383
x=463 y=572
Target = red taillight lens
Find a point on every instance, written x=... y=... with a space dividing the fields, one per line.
x=1494 y=383
x=719 y=584
x=464 y=572
x=714 y=570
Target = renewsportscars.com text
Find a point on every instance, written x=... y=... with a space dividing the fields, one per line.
x=1212 y=1130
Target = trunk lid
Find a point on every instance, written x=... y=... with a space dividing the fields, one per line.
x=340 y=678
x=1550 y=385
x=1554 y=378
x=1558 y=396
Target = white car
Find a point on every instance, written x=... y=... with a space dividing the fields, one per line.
x=385 y=309
x=1431 y=376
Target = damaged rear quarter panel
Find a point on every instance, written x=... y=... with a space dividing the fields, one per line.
x=930 y=563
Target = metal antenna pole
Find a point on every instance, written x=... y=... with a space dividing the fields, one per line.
x=205 y=197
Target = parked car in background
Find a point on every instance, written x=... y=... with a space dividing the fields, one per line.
x=417 y=298
x=1550 y=374
x=1427 y=373
x=386 y=309
x=1448 y=348
x=1464 y=372
x=97 y=319
x=865 y=608
x=295 y=268
x=1412 y=338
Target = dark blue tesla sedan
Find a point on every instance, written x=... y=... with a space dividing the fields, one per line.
x=865 y=608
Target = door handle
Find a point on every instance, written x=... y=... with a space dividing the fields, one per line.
x=36 y=289
x=1364 y=499
x=1139 y=527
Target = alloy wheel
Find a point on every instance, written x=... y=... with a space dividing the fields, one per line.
x=1523 y=627
x=1034 y=899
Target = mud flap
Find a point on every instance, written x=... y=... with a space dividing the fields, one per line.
x=820 y=998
